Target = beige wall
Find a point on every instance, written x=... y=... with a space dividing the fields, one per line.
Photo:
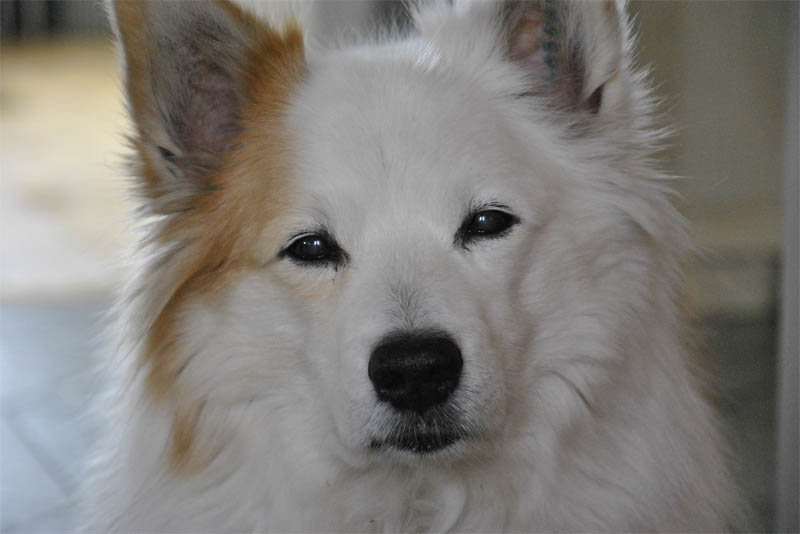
x=721 y=68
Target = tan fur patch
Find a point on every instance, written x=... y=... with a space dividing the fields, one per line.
x=214 y=234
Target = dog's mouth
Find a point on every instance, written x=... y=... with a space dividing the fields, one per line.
x=417 y=443
x=422 y=434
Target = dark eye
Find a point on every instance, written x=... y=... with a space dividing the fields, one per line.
x=487 y=224
x=313 y=248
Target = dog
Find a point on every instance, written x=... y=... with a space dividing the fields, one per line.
x=422 y=277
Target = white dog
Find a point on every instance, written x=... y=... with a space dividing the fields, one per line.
x=425 y=281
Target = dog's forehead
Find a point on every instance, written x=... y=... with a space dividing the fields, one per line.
x=391 y=124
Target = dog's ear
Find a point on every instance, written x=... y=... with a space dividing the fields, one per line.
x=573 y=52
x=185 y=75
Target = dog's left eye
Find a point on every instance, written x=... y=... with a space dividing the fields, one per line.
x=486 y=224
x=314 y=249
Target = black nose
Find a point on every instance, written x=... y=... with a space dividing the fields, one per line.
x=415 y=371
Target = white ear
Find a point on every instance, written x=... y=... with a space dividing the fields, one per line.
x=573 y=52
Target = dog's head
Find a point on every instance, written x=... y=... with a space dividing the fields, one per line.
x=397 y=241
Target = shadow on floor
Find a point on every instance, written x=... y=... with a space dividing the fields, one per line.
x=47 y=385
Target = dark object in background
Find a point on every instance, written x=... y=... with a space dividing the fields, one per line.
x=46 y=18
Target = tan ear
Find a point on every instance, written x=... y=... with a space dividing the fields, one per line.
x=186 y=79
x=574 y=51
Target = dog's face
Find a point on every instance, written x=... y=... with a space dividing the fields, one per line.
x=411 y=234
x=385 y=281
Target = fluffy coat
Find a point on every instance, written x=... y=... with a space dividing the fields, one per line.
x=239 y=398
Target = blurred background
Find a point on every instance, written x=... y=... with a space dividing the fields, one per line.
x=727 y=73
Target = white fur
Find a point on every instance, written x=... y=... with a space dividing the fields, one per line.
x=577 y=378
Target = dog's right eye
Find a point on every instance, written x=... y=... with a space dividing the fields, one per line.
x=485 y=224
x=315 y=249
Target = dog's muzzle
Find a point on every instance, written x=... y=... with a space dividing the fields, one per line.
x=416 y=373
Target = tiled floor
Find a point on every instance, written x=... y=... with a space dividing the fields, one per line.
x=47 y=384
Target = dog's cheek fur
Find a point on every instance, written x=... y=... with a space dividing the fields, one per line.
x=215 y=250
x=602 y=354
x=217 y=237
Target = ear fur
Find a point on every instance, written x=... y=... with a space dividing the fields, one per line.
x=570 y=49
x=184 y=71
x=572 y=52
